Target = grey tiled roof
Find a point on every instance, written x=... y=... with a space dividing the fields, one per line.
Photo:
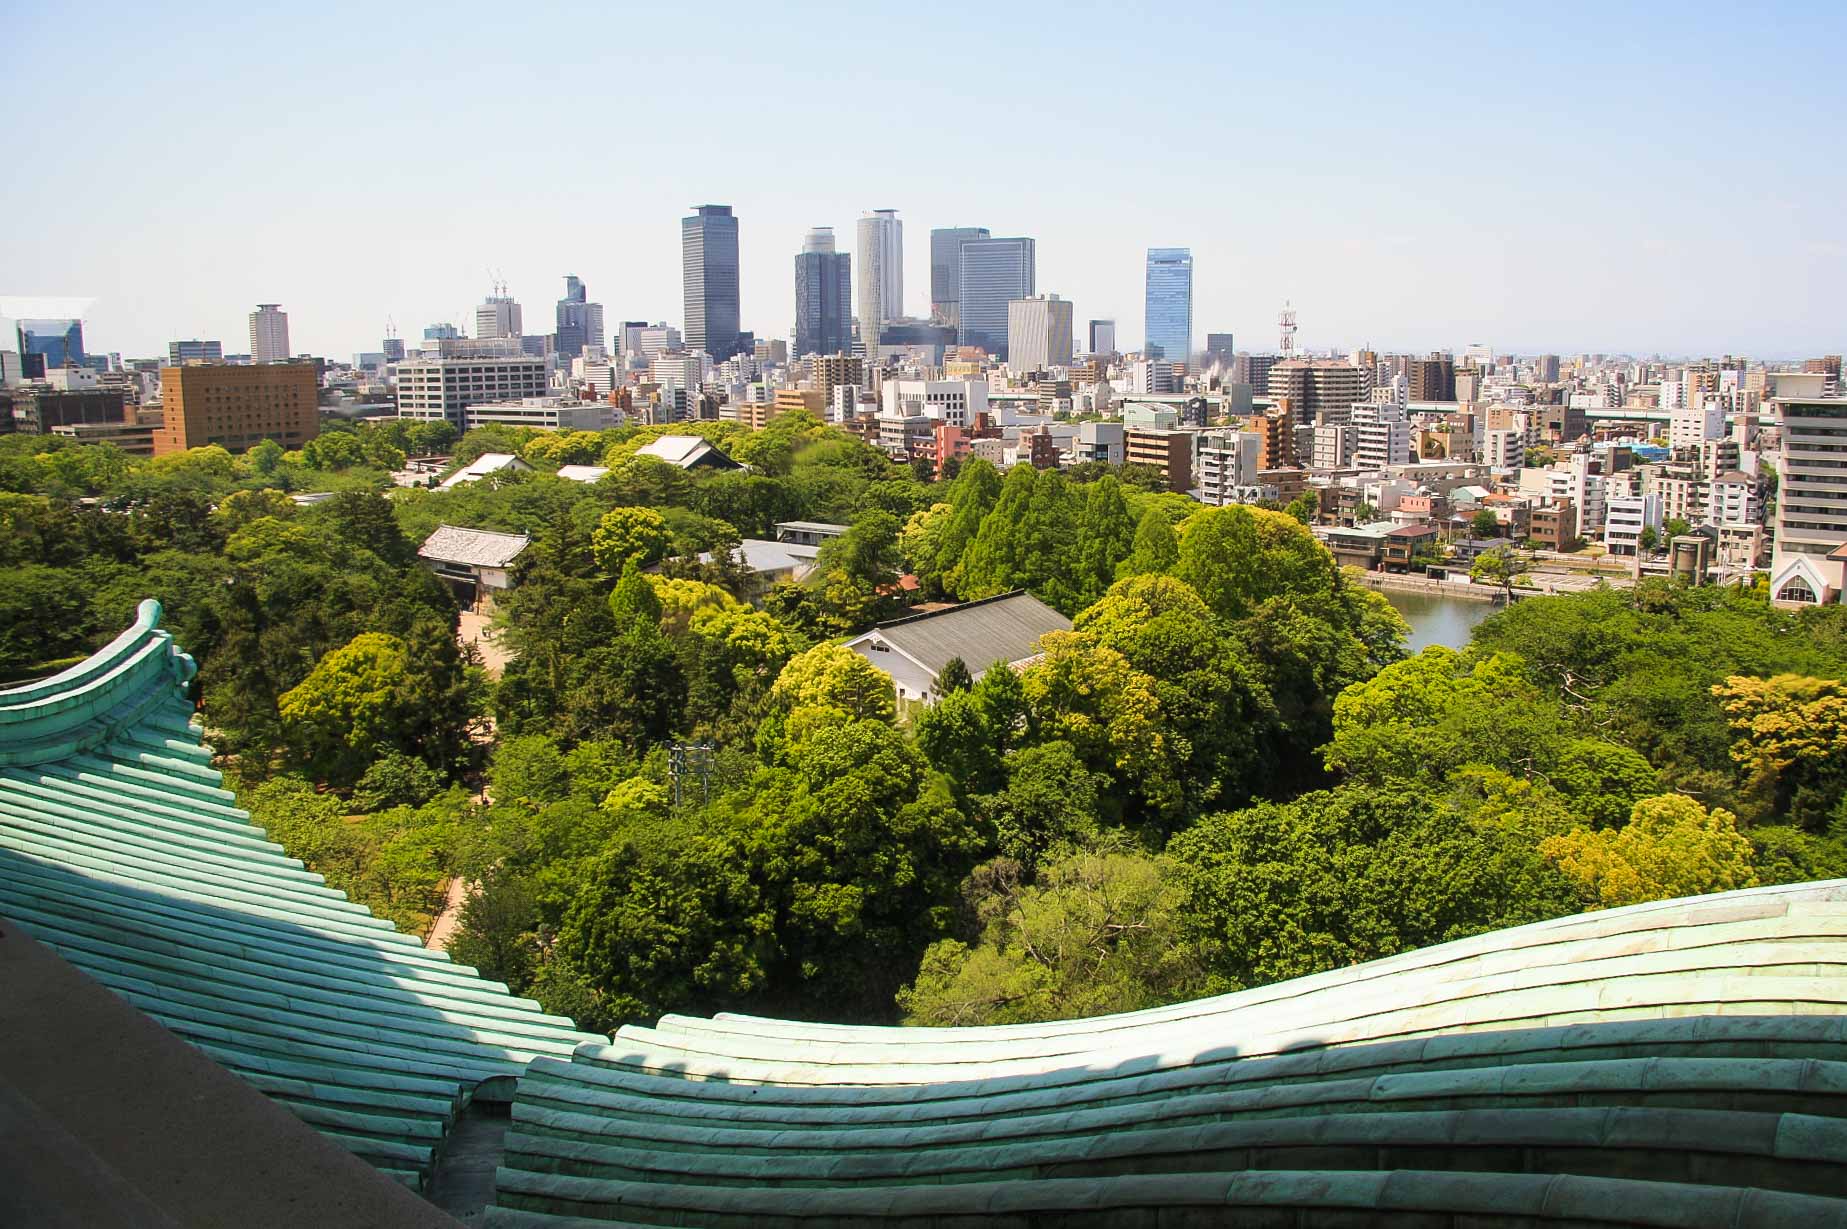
x=478 y=548
x=1005 y=628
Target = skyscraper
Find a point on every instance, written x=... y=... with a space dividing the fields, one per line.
x=1102 y=337
x=56 y=342
x=946 y=270
x=1039 y=333
x=881 y=276
x=1169 y=305
x=823 y=296
x=194 y=351
x=579 y=321
x=709 y=266
x=269 y=334
x=499 y=315
x=1219 y=349
x=993 y=273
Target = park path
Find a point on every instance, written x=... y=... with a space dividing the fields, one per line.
x=449 y=917
x=476 y=629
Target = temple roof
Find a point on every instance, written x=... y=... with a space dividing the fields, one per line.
x=121 y=851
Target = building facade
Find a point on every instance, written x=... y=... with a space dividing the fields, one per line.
x=577 y=322
x=433 y=388
x=709 y=278
x=1039 y=333
x=194 y=351
x=994 y=273
x=1168 y=305
x=823 y=296
x=237 y=406
x=1102 y=337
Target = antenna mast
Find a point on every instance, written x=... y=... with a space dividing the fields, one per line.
x=1286 y=325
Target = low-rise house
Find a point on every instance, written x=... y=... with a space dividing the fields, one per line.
x=808 y=533
x=997 y=630
x=771 y=563
x=582 y=473
x=476 y=563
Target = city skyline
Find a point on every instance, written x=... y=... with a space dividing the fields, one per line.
x=1527 y=240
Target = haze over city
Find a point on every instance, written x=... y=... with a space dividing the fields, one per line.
x=1650 y=179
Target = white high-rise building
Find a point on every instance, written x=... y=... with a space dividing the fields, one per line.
x=499 y=316
x=881 y=276
x=1381 y=435
x=431 y=388
x=656 y=339
x=1626 y=517
x=1225 y=466
x=1689 y=426
x=269 y=334
x=1811 y=506
x=1503 y=449
x=1038 y=333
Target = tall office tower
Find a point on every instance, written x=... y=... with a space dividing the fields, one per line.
x=194 y=351
x=946 y=270
x=1169 y=305
x=881 y=276
x=214 y=403
x=994 y=272
x=393 y=348
x=579 y=321
x=823 y=296
x=53 y=343
x=269 y=334
x=499 y=315
x=1102 y=337
x=1545 y=369
x=709 y=267
x=1039 y=333
x=1219 y=350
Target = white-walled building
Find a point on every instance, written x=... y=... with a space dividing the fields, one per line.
x=1381 y=435
x=1225 y=467
x=269 y=334
x=542 y=413
x=432 y=388
x=1625 y=517
x=1689 y=426
x=1038 y=333
x=955 y=402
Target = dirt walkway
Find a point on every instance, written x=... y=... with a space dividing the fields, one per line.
x=449 y=917
x=475 y=629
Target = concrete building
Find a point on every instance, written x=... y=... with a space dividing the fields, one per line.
x=956 y=402
x=1168 y=450
x=709 y=280
x=1098 y=441
x=41 y=408
x=1626 y=517
x=1102 y=337
x=443 y=387
x=1689 y=426
x=1811 y=512
x=1314 y=385
x=578 y=322
x=823 y=296
x=1504 y=448
x=237 y=406
x=1226 y=465
x=542 y=414
x=881 y=276
x=499 y=315
x=1039 y=333
x=994 y=273
x=946 y=271
x=1220 y=351
x=269 y=334
x=1381 y=435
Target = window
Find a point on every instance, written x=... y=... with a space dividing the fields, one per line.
x=1797 y=590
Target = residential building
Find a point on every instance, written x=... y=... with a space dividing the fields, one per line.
x=946 y=271
x=269 y=334
x=830 y=371
x=1168 y=450
x=446 y=385
x=1431 y=379
x=1626 y=517
x=1168 y=305
x=1314 y=385
x=1098 y=441
x=1381 y=435
x=1690 y=425
x=1551 y=524
x=1102 y=337
x=809 y=533
x=1038 y=333
x=1226 y=465
x=709 y=277
x=656 y=339
x=1276 y=430
x=1503 y=449
x=1811 y=512
x=1334 y=442
x=881 y=276
x=238 y=406
x=823 y=296
x=996 y=631
x=194 y=351
x=499 y=315
x=994 y=273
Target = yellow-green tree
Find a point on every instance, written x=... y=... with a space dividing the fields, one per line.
x=1791 y=740
x=626 y=535
x=1671 y=846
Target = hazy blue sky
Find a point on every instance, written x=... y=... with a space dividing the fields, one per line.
x=1534 y=176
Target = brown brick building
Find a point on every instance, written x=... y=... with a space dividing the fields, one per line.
x=237 y=407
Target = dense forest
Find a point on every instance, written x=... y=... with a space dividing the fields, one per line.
x=1228 y=772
